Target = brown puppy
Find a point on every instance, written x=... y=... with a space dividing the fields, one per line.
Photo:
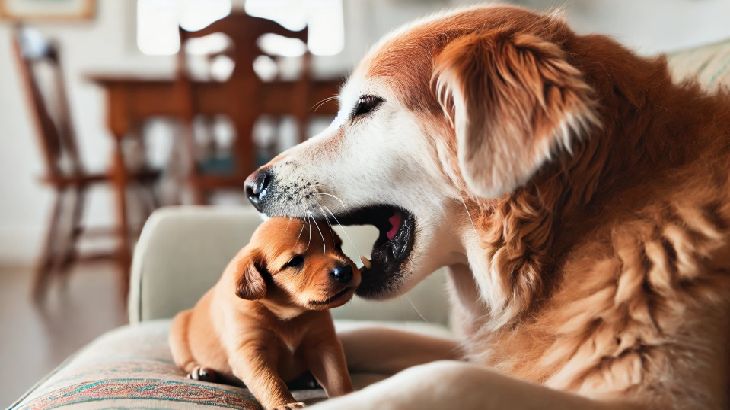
x=267 y=319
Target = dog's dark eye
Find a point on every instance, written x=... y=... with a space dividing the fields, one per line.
x=295 y=262
x=365 y=104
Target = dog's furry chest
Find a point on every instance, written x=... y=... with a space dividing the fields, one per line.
x=291 y=333
x=637 y=306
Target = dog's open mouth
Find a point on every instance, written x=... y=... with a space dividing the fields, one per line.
x=396 y=227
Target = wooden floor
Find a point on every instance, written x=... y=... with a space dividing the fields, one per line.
x=35 y=339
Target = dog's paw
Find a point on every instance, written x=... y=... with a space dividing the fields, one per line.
x=289 y=406
x=203 y=375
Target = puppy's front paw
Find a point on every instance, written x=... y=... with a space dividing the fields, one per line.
x=203 y=375
x=289 y=406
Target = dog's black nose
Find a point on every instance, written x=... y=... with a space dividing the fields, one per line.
x=256 y=187
x=342 y=274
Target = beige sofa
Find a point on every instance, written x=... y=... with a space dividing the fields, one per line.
x=181 y=253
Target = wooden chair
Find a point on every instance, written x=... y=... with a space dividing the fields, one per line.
x=64 y=170
x=243 y=87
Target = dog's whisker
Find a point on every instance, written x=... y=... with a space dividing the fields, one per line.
x=323 y=101
x=324 y=244
x=473 y=226
x=338 y=223
x=415 y=309
x=331 y=213
x=309 y=224
x=326 y=218
x=288 y=222
x=333 y=196
x=300 y=232
x=319 y=103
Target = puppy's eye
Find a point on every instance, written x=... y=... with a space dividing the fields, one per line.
x=365 y=104
x=295 y=262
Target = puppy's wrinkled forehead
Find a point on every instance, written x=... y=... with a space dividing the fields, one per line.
x=405 y=57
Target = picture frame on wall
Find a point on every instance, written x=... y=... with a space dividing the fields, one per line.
x=47 y=10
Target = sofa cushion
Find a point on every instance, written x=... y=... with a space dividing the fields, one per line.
x=131 y=367
x=709 y=65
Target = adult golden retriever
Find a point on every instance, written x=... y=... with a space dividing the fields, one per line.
x=580 y=199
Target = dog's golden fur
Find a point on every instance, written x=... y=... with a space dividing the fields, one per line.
x=578 y=197
x=610 y=241
x=267 y=320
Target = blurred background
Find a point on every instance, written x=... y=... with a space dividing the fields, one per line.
x=110 y=109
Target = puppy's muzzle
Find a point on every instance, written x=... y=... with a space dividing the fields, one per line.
x=257 y=185
x=342 y=274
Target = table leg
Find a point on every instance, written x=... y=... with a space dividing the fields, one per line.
x=120 y=179
x=244 y=147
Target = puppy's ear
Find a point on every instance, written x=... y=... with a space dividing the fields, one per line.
x=250 y=276
x=512 y=99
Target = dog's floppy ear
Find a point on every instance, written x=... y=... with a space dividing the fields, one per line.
x=250 y=276
x=512 y=99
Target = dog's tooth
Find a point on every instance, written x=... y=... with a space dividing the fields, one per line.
x=366 y=262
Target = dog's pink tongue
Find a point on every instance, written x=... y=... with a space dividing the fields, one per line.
x=394 y=225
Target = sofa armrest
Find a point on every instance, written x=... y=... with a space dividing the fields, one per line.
x=181 y=254
x=183 y=250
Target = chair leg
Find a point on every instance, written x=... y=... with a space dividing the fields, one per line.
x=147 y=201
x=70 y=248
x=46 y=263
x=120 y=182
x=154 y=196
x=152 y=200
x=302 y=128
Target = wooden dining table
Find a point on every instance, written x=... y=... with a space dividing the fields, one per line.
x=131 y=100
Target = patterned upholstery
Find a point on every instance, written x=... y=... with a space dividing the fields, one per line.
x=131 y=367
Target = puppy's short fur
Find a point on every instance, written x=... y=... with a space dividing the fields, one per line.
x=267 y=319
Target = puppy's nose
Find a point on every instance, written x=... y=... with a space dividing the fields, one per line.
x=342 y=274
x=256 y=185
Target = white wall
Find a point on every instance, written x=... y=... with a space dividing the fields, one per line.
x=648 y=26
x=101 y=45
x=107 y=44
